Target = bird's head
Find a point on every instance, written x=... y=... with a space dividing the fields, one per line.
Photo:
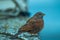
x=39 y=15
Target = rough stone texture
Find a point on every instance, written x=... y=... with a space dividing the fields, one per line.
x=9 y=4
x=27 y=36
x=11 y=25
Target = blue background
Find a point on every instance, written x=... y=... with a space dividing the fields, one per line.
x=51 y=8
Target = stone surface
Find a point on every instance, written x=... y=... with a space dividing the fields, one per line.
x=28 y=36
x=9 y=4
x=11 y=25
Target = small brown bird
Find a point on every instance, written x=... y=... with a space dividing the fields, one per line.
x=33 y=25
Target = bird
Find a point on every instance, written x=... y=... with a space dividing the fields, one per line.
x=34 y=25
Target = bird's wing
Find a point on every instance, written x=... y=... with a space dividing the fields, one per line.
x=26 y=27
x=31 y=21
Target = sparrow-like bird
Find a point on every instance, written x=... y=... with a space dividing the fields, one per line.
x=33 y=25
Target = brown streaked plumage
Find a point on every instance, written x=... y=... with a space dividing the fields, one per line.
x=33 y=25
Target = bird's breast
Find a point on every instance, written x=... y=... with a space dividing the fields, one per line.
x=39 y=23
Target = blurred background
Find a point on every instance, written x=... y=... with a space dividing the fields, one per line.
x=51 y=8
